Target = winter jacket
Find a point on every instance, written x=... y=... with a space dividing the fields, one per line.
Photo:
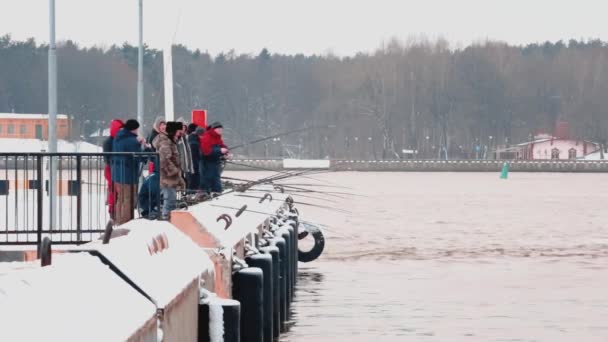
x=170 y=170
x=211 y=145
x=185 y=155
x=149 y=196
x=125 y=169
x=151 y=138
x=115 y=126
x=195 y=148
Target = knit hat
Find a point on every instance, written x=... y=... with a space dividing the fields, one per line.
x=216 y=124
x=192 y=127
x=172 y=127
x=131 y=125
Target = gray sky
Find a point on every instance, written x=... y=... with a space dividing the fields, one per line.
x=311 y=27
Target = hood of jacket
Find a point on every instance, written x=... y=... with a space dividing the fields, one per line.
x=115 y=126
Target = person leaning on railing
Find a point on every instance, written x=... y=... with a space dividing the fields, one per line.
x=115 y=126
x=125 y=170
x=160 y=125
x=171 y=178
x=213 y=149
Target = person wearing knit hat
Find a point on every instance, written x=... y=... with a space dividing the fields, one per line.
x=131 y=125
x=214 y=150
x=194 y=180
x=170 y=169
x=185 y=154
x=216 y=124
x=191 y=128
x=125 y=171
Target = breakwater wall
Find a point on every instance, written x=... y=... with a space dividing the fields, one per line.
x=582 y=166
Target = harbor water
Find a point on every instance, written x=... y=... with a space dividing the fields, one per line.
x=455 y=257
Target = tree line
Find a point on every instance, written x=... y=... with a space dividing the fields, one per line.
x=425 y=96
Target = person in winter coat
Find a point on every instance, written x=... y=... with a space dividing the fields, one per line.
x=185 y=154
x=170 y=169
x=159 y=126
x=115 y=126
x=201 y=163
x=149 y=195
x=195 y=147
x=125 y=171
x=214 y=150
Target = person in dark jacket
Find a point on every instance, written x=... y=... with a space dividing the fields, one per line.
x=214 y=150
x=115 y=126
x=195 y=148
x=125 y=171
x=149 y=196
x=185 y=154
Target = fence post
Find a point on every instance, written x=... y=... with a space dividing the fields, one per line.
x=79 y=198
x=40 y=201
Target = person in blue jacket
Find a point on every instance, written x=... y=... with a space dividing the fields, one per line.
x=149 y=196
x=125 y=171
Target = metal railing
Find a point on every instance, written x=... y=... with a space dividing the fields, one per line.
x=86 y=194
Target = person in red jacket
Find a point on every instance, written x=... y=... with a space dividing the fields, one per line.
x=115 y=126
x=213 y=150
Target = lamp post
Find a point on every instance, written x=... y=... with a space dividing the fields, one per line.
x=52 y=134
x=140 y=66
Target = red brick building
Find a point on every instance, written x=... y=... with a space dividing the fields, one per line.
x=31 y=126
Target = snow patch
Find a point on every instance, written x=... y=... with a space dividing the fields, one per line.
x=11 y=145
x=306 y=163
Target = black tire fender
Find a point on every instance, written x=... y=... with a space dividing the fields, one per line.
x=317 y=249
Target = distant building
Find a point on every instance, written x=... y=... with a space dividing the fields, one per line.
x=559 y=146
x=31 y=126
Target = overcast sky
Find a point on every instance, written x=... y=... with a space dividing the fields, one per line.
x=343 y=27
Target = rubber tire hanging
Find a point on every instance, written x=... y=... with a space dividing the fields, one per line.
x=317 y=249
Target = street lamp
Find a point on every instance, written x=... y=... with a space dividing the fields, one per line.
x=140 y=66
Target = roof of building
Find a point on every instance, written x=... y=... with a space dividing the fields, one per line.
x=29 y=116
x=554 y=139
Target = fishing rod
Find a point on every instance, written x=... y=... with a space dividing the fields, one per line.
x=307 y=204
x=277 y=216
x=299 y=195
x=279 y=135
x=335 y=193
x=277 y=176
x=316 y=185
x=270 y=179
x=283 y=186
x=285 y=172
x=237 y=179
x=249 y=184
